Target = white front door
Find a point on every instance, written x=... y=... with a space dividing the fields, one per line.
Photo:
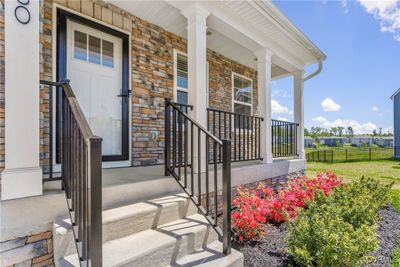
x=94 y=67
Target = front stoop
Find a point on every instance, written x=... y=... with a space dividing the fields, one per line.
x=165 y=231
x=155 y=230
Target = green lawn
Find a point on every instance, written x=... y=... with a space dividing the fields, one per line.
x=385 y=170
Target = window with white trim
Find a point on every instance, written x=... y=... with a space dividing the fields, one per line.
x=242 y=94
x=181 y=78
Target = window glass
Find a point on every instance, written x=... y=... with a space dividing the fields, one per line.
x=242 y=121
x=108 y=54
x=80 y=45
x=94 y=50
x=182 y=97
x=242 y=90
x=242 y=109
x=182 y=71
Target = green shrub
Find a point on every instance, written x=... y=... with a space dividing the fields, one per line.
x=360 y=200
x=339 y=229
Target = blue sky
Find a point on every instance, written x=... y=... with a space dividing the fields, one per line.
x=362 y=69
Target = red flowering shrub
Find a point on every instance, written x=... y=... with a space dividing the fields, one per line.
x=249 y=217
x=283 y=205
x=254 y=207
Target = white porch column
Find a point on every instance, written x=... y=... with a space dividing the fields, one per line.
x=197 y=60
x=299 y=111
x=264 y=102
x=22 y=176
x=197 y=75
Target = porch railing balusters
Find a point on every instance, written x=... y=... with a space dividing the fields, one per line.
x=241 y=129
x=284 y=138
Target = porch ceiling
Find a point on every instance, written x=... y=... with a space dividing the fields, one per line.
x=169 y=17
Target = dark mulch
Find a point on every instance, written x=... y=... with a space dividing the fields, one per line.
x=389 y=236
x=270 y=251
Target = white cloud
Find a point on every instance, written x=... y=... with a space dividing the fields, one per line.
x=387 y=12
x=375 y=108
x=329 y=105
x=344 y=5
x=282 y=118
x=358 y=128
x=277 y=108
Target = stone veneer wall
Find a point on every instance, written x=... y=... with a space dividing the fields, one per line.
x=35 y=250
x=152 y=75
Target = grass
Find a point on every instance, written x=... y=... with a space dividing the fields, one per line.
x=386 y=171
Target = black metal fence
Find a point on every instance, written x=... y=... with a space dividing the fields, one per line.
x=349 y=155
x=284 y=138
x=243 y=130
x=187 y=154
x=81 y=173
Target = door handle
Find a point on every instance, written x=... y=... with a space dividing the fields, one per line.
x=125 y=94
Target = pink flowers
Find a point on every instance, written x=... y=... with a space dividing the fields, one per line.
x=254 y=207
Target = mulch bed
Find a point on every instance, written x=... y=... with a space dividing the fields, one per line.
x=270 y=251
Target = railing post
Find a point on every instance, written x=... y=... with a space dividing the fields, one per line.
x=95 y=240
x=226 y=196
x=167 y=144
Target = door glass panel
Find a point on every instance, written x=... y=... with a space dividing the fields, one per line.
x=80 y=45
x=94 y=49
x=108 y=54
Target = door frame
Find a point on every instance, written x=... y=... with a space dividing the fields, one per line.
x=61 y=73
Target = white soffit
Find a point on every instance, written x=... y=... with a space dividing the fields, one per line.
x=165 y=15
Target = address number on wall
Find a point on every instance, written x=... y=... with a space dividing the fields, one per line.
x=22 y=13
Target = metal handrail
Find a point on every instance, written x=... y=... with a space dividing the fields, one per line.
x=180 y=154
x=204 y=130
x=235 y=113
x=81 y=176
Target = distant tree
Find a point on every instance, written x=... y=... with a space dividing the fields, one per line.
x=340 y=130
x=380 y=131
x=334 y=131
x=306 y=132
x=374 y=133
x=350 y=131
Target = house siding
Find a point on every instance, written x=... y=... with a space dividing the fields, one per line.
x=396 y=126
x=152 y=75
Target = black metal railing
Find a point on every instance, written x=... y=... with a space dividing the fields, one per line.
x=81 y=173
x=183 y=107
x=243 y=130
x=187 y=147
x=284 y=138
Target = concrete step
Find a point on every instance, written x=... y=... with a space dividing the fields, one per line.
x=127 y=220
x=123 y=186
x=162 y=246
x=211 y=256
